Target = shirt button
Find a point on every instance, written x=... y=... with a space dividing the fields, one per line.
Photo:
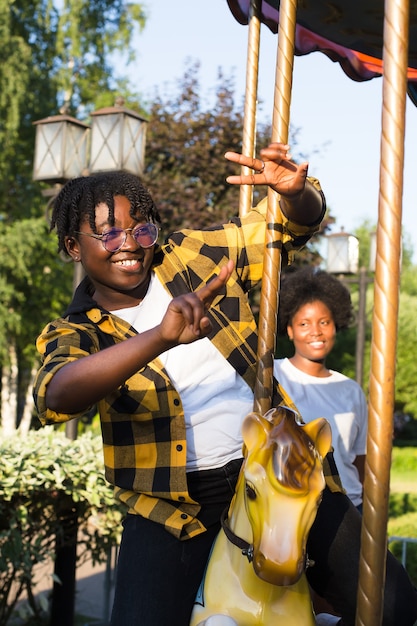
x=176 y=402
x=181 y=498
x=179 y=447
x=184 y=515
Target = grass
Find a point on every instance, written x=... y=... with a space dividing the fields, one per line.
x=402 y=520
x=403 y=483
x=404 y=470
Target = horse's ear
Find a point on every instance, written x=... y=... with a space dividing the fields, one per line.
x=255 y=430
x=321 y=433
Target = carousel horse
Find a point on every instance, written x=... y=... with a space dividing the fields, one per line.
x=256 y=571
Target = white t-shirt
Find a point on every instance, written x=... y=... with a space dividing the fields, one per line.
x=342 y=402
x=215 y=398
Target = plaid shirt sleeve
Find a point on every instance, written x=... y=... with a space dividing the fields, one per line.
x=59 y=343
x=242 y=240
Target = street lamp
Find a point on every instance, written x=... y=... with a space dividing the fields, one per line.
x=343 y=259
x=342 y=253
x=118 y=138
x=60 y=148
x=66 y=148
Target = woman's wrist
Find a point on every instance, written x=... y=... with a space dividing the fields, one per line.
x=293 y=196
x=306 y=207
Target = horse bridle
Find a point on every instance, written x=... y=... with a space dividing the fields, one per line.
x=247 y=548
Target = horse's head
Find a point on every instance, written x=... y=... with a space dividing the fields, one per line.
x=284 y=481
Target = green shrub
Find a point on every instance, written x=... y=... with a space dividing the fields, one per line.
x=405 y=526
x=404 y=459
x=46 y=480
x=407 y=436
x=402 y=503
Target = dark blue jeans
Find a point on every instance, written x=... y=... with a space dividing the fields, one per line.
x=158 y=576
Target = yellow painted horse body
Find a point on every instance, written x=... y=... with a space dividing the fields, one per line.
x=255 y=574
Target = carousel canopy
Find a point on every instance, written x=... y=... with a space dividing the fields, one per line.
x=349 y=32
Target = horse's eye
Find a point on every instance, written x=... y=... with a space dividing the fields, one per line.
x=250 y=492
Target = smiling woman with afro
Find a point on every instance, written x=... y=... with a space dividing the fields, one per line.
x=309 y=284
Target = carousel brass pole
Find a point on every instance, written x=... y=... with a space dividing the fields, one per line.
x=272 y=259
x=251 y=98
x=384 y=323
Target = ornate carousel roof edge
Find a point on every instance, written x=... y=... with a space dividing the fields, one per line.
x=334 y=30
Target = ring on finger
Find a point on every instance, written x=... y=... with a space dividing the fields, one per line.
x=261 y=169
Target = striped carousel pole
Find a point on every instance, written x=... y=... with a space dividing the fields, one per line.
x=251 y=99
x=385 y=316
x=272 y=259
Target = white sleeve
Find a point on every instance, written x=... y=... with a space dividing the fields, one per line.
x=362 y=421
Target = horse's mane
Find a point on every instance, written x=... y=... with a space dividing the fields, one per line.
x=294 y=454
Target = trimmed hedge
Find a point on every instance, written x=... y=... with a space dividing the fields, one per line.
x=45 y=480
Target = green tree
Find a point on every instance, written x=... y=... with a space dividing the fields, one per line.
x=409 y=280
x=52 y=55
x=33 y=280
x=343 y=357
x=185 y=166
x=406 y=370
x=406 y=375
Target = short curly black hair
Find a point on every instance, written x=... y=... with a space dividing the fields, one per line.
x=79 y=198
x=309 y=284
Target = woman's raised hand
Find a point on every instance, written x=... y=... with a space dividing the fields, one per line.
x=273 y=167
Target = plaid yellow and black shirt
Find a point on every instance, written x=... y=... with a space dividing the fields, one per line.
x=142 y=422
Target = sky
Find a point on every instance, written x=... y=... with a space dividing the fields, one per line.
x=338 y=120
